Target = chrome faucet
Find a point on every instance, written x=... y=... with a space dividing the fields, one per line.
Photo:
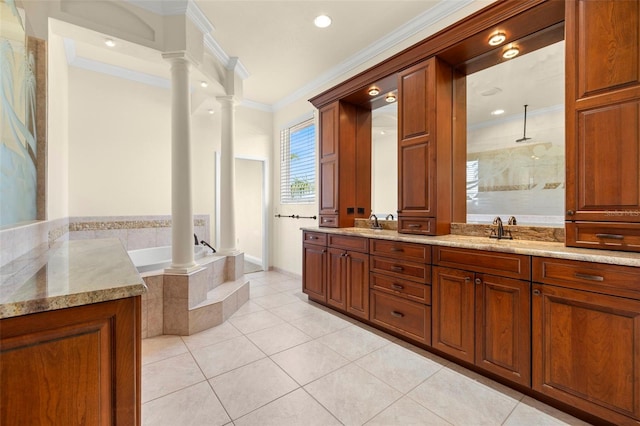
x=512 y=221
x=375 y=225
x=500 y=233
x=389 y=217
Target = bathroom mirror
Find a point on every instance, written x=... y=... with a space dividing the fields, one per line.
x=513 y=170
x=384 y=154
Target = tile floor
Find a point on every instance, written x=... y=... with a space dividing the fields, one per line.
x=281 y=360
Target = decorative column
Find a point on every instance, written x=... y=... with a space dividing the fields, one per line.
x=227 y=176
x=182 y=259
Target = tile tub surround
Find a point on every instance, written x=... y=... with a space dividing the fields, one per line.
x=527 y=247
x=183 y=304
x=70 y=273
x=135 y=232
x=282 y=360
x=17 y=241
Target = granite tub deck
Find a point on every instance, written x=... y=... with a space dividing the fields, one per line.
x=67 y=274
x=532 y=248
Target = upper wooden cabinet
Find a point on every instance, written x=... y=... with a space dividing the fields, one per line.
x=603 y=124
x=424 y=148
x=345 y=164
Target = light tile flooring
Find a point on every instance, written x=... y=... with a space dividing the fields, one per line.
x=281 y=360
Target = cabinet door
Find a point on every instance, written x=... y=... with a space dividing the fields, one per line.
x=357 y=284
x=503 y=327
x=416 y=156
x=336 y=278
x=453 y=312
x=586 y=348
x=313 y=271
x=329 y=122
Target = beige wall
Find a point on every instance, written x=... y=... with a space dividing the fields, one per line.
x=58 y=131
x=248 y=199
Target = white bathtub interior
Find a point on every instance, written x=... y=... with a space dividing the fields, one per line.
x=155 y=258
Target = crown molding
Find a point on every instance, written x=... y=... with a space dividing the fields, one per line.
x=112 y=70
x=429 y=17
x=256 y=105
x=229 y=63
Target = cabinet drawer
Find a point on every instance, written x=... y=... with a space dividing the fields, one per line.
x=420 y=293
x=417 y=225
x=348 y=243
x=615 y=280
x=403 y=316
x=400 y=250
x=329 y=220
x=401 y=269
x=608 y=236
x=318 y=238
x=490 y=262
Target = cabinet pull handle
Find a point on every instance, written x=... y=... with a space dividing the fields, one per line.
x=611 y=236
x=478 y=281
x=311 y=237
x=589 y=277
x=397 y=314
x=397 y=268
x=414 y=225
x=537 y=292
x=325 y=220
x=397 y=287
x=396 y=249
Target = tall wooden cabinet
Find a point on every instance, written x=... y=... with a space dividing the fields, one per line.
x=603 y=124
x=425 y=148
x=345 y=164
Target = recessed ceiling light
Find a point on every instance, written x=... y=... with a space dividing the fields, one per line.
x=497 y=39
x=322 y=21
x=374 y=91
x=211 y=111
x=204 y=83
x=109 y=42
x=497 y=112
x=390 y=98
x=511 y=52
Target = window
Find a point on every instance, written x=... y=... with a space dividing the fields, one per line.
x=298 y=163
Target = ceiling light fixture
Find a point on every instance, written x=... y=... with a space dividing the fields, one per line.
x=390 y=98
x=204 y=83
x=497 y=112
x=497 y=39
x=374 y=91
x=211 y=111
x=109 y=42
x=511 y=52
x=322 y=21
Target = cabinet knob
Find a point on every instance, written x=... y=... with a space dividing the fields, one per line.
x=537 y=292
x=467 y=279
x=570 y=212
x=478 y=281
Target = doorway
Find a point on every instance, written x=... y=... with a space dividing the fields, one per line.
x=251 y=212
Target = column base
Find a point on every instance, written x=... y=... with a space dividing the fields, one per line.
x=182 y=271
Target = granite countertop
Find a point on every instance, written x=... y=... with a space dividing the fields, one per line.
x=531 y=248
x=67 y=274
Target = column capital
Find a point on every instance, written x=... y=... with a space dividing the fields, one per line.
x=227 y=99
x=180 y=56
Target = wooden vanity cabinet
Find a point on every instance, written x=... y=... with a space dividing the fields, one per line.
x=603 y=124
x=348 y=274
x=586 y=337
x=79 y=365
x=479 y=316
x=345 y=164
x=400 y=288
x=425 y=148
x=314 y=265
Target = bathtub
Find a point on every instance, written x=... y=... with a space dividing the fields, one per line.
x=155 y=258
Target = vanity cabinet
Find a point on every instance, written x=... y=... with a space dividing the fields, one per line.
x=348 y=274
x=345 y=164
x=586 y=337
x=481 y=310
x=78 y=365
x=400 y=288
x=314 y=265
x=425 y=148
x=603 y=124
